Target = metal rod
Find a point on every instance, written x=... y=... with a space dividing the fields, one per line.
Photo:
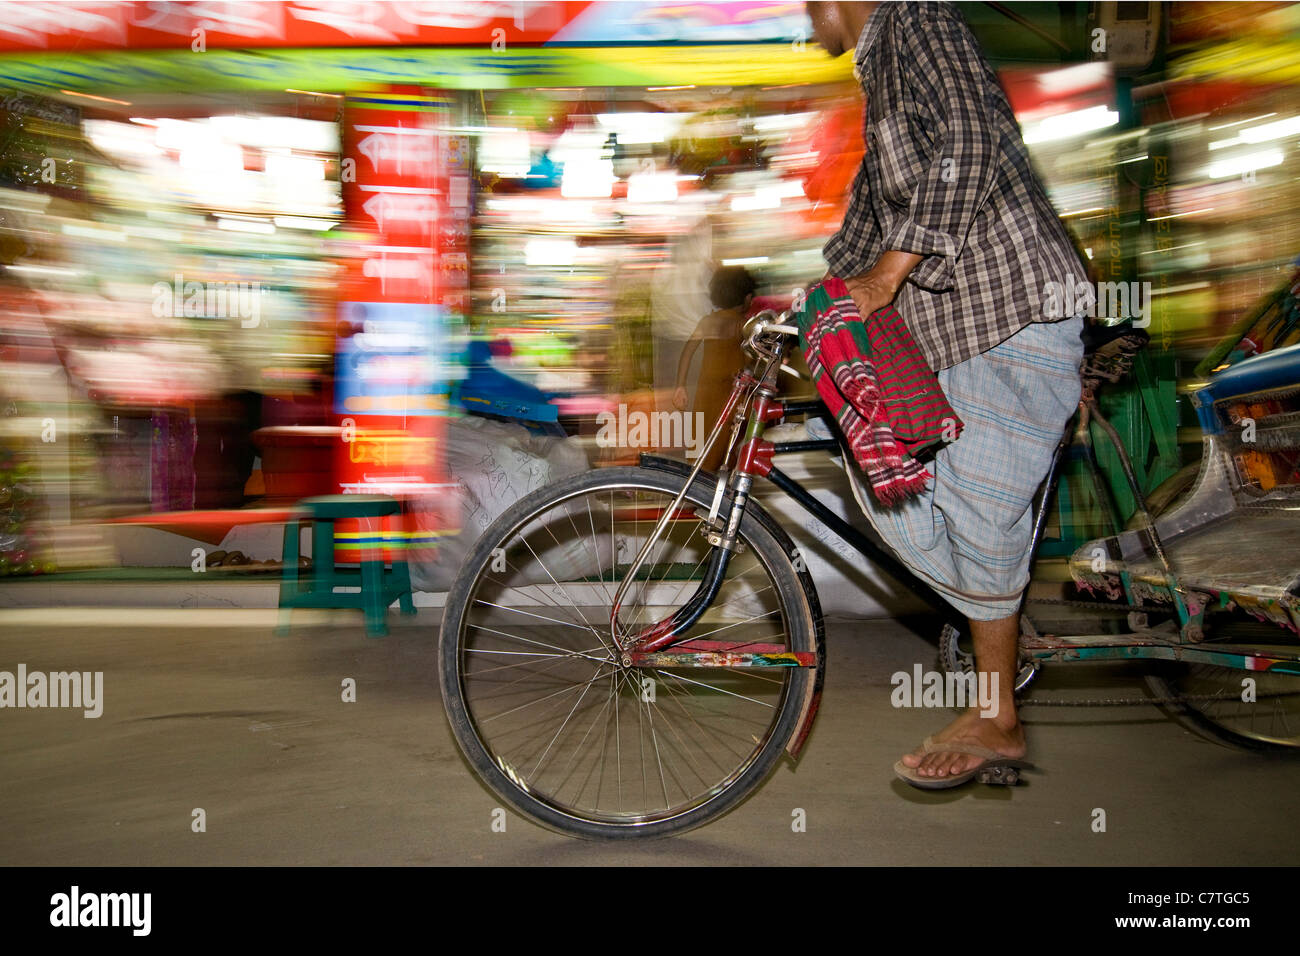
x=819 y=444
x=1177 y=593
x=1031 y=27
x=739 y=387
x=857 y=539
x=805 y=406
x=659 y=636
x=1049 y=485
x=1105 y=502
x=1127 y=465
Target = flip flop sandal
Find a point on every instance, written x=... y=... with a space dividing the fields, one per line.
x=997 y=769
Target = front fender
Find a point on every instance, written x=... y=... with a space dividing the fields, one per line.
x=753 y=508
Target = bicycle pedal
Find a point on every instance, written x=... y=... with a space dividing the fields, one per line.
x=999 y=776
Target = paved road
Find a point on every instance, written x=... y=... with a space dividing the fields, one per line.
x=205 y=709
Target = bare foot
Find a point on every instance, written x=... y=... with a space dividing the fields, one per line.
x=969 y=728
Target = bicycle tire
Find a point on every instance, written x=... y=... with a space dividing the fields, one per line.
x=546 y=796
x=1230 y=721
x=1219 y=721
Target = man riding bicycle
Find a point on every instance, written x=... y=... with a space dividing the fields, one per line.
x=948 y=222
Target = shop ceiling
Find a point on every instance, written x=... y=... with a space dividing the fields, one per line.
x=1045 y=33
x=336 y=70
x=124 y=50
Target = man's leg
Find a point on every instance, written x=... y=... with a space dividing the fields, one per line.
x=969 y=532
x=996 y=644
x=1015 y=399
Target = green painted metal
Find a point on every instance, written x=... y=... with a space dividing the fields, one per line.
x=1192 y=654
x=317 y=588
x=352 y=69
x=1143 y=415
x=1143 y=408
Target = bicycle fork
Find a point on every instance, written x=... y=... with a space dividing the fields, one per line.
x=662 y=634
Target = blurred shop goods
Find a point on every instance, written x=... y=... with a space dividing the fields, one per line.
x=297 y=461
x=1261 y=355
x=184 y=285
x=488 y=392
x=1274 y=324
x=269 y=24
x=277 y=270
x=41 y=146
x=23 y=549
x=717 y=341
x=837 y=142
x=46 y=464
x=224 y=452
x=606 y=211
x=403 y=301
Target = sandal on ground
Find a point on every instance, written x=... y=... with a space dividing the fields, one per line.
x=996 y=769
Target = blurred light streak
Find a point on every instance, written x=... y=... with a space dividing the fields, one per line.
x=1070 y=125
x=1253 y=119
x=243 y=225
x=1176 y=215
x=91 y=96
x=651 y=187
x=1249 y=162
x=550 y=252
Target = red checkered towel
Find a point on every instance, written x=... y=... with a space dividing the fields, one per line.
x=880 y=388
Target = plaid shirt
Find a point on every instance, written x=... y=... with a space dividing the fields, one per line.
x=946 y=176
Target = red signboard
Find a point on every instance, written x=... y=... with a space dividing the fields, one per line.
x=405 y=181
x=207 y=24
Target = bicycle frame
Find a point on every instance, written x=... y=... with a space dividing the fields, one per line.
x=753 y=405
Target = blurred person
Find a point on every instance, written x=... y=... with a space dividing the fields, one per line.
x=948 y=221
x=717 y=339
x=679 y=296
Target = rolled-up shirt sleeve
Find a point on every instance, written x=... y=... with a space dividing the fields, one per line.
x=949 y=76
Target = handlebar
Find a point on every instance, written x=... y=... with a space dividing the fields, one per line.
x=758 y=323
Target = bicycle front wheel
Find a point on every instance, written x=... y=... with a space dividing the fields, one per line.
x=542 y=704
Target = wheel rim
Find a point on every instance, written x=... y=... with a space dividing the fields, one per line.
x=1272 y=718
x=542 y=688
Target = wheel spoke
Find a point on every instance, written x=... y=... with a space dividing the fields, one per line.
x=561 y=722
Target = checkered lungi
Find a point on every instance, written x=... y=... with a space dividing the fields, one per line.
x=968 y=532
